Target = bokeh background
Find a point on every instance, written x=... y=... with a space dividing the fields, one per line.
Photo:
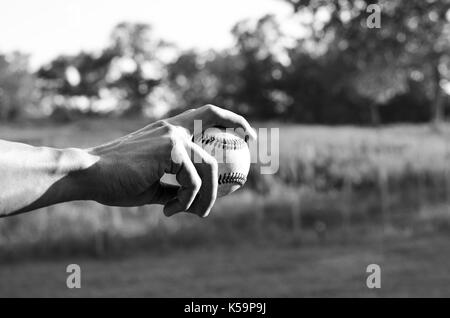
x=364 y=144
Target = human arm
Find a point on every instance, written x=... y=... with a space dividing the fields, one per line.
x=124 y=172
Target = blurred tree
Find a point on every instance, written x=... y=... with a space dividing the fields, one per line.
x=16 y=85
x=70 y=84
x=226 y=69
x=135 y=47
x=318 y=90
x=190 y=78
x=414 y=36
x=260 y=57
x=379 y=84
x=82 y=74
x=127 y=71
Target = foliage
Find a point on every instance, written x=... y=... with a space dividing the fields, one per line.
x=413 y=37
x=336 y=69
x=127 y=71
x=16 y=86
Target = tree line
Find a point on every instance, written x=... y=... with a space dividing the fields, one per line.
x=340 y=70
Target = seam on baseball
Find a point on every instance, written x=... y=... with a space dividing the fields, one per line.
x=232 y=177
x=224 y=143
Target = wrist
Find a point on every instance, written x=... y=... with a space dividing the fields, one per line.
x=81 y=173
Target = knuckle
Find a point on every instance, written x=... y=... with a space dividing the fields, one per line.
x=174 y=145
x=172 y=141
x=175 y=133
x=175 y=150
x=170 y=129
x=211 y=162
x=175 y=155
x=167 y=127
x=161 y=123
x=196 y=183
x=211 y=108
x=172 y=133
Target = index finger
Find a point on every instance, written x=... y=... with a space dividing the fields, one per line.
x=216 y=116
x=189 y=182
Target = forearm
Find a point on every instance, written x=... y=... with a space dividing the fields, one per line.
x=35 y=177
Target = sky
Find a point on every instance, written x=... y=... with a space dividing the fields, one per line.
x=47 y=28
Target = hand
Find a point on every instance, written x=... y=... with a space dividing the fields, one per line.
x=130 y=168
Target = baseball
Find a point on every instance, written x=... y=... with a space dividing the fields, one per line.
x=232 y=155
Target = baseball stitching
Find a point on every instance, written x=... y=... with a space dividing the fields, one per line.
x=232 y=177
x=224 y=143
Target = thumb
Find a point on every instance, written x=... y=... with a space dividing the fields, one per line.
x=165 y=193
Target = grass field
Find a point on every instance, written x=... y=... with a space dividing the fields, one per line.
x=411 y=267
x=344 y=197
